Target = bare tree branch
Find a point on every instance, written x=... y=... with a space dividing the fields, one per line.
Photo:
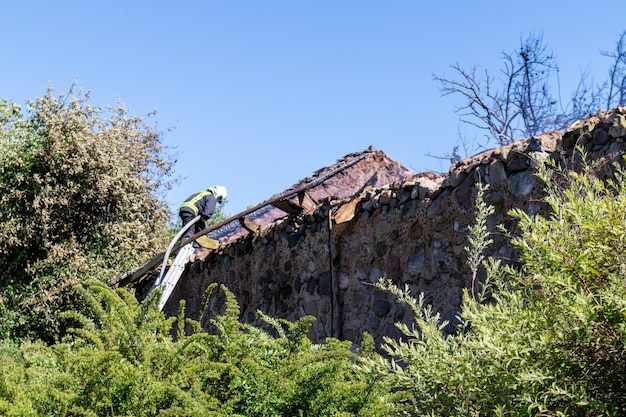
x=483 y=108
x=617 y=73
x=521 y=102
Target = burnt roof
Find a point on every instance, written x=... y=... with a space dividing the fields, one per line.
x=348 y=177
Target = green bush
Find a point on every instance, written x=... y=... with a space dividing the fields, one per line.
x=121 y=359
x=79 y=191
x=552 y=340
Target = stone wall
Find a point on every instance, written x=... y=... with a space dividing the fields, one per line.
x=411 y=231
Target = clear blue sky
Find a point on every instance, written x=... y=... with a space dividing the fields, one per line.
x=263 y=93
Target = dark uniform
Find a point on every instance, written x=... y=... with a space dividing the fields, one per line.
x=203 y=204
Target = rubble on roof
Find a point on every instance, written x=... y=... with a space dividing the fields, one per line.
x=348 y=177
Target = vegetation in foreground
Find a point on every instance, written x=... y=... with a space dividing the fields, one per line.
x=79 y=191
x=551 y=339
x=119 y=358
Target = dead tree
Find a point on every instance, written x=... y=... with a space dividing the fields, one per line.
x=486 y=106
x=616 y=95
x=521 y=101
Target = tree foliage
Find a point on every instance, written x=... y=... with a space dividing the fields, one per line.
x=552 y=340
x=79 y=191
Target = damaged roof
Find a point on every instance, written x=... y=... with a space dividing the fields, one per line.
x=345 y=179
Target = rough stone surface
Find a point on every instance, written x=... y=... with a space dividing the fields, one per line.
x=411 y=230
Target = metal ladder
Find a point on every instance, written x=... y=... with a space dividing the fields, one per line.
x=168 y=283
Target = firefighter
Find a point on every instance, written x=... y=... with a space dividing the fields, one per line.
x=203 y=204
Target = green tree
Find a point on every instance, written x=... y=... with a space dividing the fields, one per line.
x=552 y=340
x=79 y=191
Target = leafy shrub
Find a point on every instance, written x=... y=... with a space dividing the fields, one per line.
x=79 y=191
x=553 y=342
x=121 y=359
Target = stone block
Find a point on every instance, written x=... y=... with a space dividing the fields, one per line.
x=497 y=173
x=517 y=164
x=601 y=137
x=521 y=183
x=324 y=286
x=310 y=308
x=381 y=307
x=415 y=266
x=344 y=281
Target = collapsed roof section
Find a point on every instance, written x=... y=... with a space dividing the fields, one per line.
x=343 y=180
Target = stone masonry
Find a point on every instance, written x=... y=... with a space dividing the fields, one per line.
x=412 y=231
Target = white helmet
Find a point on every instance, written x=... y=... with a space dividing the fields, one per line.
x=219 y=192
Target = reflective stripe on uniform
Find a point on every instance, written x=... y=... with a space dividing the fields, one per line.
x=191 y=202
